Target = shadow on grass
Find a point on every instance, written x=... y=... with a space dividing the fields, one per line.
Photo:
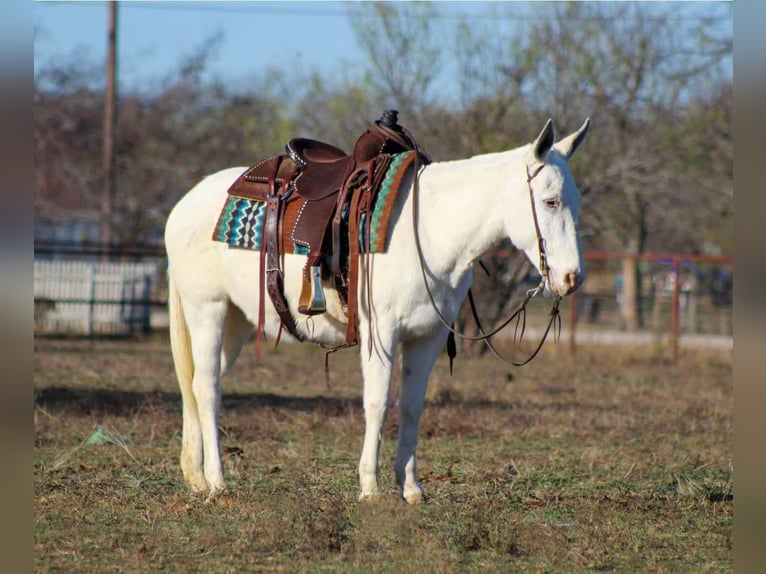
x=115 y=402
x=126 y=403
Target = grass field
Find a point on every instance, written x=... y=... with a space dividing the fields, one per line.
x=618 y=461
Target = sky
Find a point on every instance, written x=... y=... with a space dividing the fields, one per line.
x=154 y=36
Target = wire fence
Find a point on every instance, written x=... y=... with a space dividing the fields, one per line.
x=680 y=299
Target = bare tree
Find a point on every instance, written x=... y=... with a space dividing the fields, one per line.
x=165 y=141
x=335 y=111
x=67 y=140
x=405 y=53
x=634 y=69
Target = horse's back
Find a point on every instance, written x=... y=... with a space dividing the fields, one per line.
x=190 y=224
x=192 y=219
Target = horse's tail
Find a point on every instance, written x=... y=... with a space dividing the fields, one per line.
x=180 y=341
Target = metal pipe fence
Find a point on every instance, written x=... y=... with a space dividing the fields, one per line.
x=680 y=299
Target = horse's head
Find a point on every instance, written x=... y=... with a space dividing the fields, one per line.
x=550 y=219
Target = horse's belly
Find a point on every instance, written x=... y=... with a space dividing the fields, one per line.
x=242 y=276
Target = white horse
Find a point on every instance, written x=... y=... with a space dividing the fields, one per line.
x=465 y=208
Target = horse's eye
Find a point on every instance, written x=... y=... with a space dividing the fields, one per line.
x=551 y=203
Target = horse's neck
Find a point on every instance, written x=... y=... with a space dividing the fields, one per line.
x=462 y=208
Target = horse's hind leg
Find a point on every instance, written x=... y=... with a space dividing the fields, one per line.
x=417 y=361
x=191 y=442
x=206 y=323
x=237 y=330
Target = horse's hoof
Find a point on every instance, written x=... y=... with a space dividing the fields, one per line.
x=413 y=495
x=197 y=485
x=414 y=498
x=216 y=493
x=369 y=496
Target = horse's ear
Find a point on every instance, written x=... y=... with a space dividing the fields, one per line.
x=544 y=142
x=568 y=145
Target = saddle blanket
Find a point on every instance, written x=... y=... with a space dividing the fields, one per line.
x=240 y=223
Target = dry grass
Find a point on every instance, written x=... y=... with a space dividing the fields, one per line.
x=618 y=461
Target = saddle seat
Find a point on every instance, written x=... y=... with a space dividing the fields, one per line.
x=305 y=151
x=325 y=168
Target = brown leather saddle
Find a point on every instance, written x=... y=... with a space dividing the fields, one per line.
x=315 y=197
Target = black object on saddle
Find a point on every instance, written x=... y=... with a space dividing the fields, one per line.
x=399 y=138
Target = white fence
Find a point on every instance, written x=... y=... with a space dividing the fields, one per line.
x=87 y=297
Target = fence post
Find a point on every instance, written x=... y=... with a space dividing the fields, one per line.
x=674 y=319
x=572 y=323
x=147 y=308
x=127 y=298
x=91 y=292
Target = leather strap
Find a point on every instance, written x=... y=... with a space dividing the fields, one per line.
x=519 y=313
x=274 y=283
x=348 y=186
x=352 y=324
x=261 y=301
x=271 y=192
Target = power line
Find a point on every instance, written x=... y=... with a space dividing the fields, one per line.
x=310 y=9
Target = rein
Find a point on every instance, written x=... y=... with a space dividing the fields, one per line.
x=519 y=313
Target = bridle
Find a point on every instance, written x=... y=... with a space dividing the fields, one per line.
x=519 y=313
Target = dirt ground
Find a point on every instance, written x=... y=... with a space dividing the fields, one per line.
x=616 y=460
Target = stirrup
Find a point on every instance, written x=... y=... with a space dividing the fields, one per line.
x=312 y=301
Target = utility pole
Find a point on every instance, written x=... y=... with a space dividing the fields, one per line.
x=110 y=119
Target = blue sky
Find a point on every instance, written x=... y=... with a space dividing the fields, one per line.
x=154 y=36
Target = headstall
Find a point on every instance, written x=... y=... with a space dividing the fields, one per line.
x=519 y=313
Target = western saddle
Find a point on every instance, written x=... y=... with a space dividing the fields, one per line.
x=316 y=196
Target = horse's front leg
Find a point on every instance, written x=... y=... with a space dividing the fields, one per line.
x=417 y=361
x=376 y=370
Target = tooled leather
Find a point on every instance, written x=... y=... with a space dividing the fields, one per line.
x=274 y=282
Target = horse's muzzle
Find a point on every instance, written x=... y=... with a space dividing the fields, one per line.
x=572 y=280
